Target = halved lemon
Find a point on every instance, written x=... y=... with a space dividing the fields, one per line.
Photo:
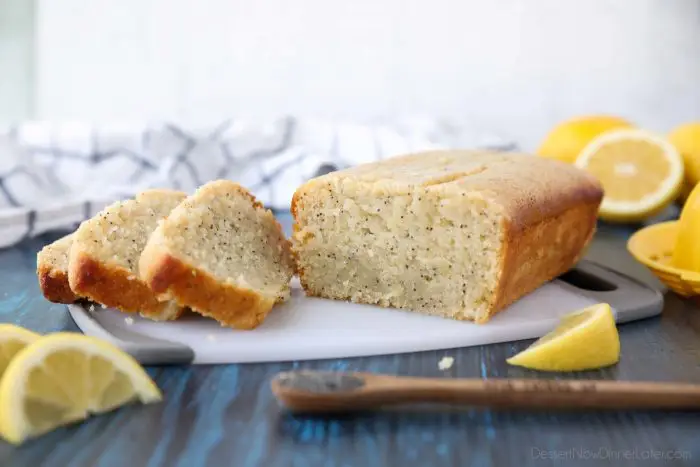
x=584 y=340
x=641 y=173
x=566 y=140
x=63 y=378
x=12 y=340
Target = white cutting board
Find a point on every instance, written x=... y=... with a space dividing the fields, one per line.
x=314 y=328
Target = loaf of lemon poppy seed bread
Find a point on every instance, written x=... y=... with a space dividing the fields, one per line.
x=457 y=234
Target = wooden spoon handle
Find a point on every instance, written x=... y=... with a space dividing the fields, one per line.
x=383 y=390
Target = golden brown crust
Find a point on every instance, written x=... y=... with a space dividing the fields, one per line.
x=54 y=285
x=295 y=201
x=223 y=187
x=113 y=286
x=547 y=229
x=536 y=190
x=538 y=253
x=231 y=306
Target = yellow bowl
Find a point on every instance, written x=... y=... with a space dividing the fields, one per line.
x=653 y=247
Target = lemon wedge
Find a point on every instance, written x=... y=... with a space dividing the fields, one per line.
x=686 y=252
x=641 y=173
x=584 y=340
x=63 y=378
x=12 y=340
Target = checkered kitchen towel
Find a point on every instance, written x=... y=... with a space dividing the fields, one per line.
x=53 y=176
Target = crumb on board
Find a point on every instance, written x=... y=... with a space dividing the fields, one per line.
x=446 y=363
x=129 y=320
x=91 y=307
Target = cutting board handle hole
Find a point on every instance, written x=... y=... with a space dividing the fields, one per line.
x=587 y=281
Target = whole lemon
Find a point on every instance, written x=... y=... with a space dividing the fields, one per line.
x=686 y=252
x=566 y=140
x=686 y=139
x=685 y=192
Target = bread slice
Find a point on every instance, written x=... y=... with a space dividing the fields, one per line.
x=103 y=260
x=52 y=271
x=457 y=234
x=222 y=254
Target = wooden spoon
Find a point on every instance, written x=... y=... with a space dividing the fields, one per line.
x=314 y=392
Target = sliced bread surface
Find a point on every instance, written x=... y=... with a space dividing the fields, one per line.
x=52 y=271
x=103 y=260
x=222 y=254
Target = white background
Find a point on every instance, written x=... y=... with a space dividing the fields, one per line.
x=514 y=67
x=16 y=58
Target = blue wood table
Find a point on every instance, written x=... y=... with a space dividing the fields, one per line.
x=226 y=415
